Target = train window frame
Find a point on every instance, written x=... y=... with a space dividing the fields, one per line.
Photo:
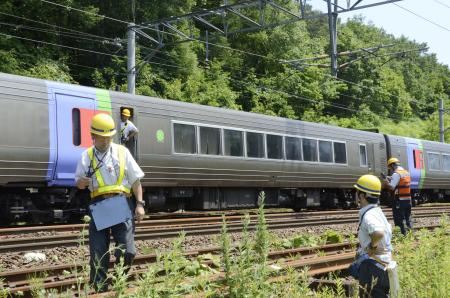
x=195 y=138
x=243 y=142
x=282 y=146
x=429 y=161
x=301 y=148
x=78 y=135
x=334 y=153
x=318 y=151
x=199 y=139
x=359 y=155
x=264 y=153
x=443 y=163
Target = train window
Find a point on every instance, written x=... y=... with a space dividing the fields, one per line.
x=309 y=150
x=76 y=127
x=184 y=138
x=255 y=144
x=274 y=147
x=418 y=159
x=340 y=154
x=293 y=148
x=233 y=141
x=362 y=155
x=325 y=151
x=446 y=162
x=434 y=161
x=210 y=140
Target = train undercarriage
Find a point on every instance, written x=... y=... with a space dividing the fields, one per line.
x=53 y=205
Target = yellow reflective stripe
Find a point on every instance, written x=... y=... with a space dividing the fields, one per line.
x=98 y=175
x=121 y=164
x=110 y=189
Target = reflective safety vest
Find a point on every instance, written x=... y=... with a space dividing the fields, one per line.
x=403 y=189
x=106 y=189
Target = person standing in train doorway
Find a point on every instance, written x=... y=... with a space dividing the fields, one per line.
x=128 y=131
x=374 y=267
x=110 y=172
x=399 y=184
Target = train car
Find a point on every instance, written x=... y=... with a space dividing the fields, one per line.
x=194 y=157
x=428 y=164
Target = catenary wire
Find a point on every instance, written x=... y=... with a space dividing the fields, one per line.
x=81 y=33
x=218 y=45
x=443 y=4
x=83 y=11
x=423 y=18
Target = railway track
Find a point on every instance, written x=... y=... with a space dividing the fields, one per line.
x=205 y=226
x=64 y=277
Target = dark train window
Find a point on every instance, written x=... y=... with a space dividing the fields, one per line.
x=210 y=140
x=184 y=138
x=434 y=161
x=309 y=150
x=362 y=156
x=255 y=145
x=293 y=148
x=340 y=154
x=325 y=151
x=274 y=147
x=76 y=127
x=233 y=142
x=446 y=162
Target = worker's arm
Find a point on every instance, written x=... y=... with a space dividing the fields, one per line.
x=137 y=190
x=375 y=238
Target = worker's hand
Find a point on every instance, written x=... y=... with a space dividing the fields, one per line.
x=83 y=182
x=385 y=184
x=139 y=213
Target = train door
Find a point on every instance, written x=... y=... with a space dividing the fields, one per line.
x=73 y=116
x=415 y=163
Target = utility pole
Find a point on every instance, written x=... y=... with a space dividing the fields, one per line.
x=131 y=59
x=332 y=23
x=441 y=121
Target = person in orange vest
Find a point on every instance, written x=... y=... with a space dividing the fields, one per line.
x=111 y=173
x=399 y=184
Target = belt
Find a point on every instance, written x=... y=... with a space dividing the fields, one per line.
x=107 y=195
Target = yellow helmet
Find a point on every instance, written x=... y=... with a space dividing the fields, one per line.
x=126 y=112
x=369 y=184
x=103 y=125
x=392 y=160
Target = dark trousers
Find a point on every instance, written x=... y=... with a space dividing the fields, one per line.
x=401 y=210
x=373 y=280
x=123 y=235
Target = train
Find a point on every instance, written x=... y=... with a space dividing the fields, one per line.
x=194 y=157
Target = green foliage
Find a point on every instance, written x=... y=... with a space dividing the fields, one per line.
x=332 y=236
x=389 y=92
x=301 y=240
x=424 y=264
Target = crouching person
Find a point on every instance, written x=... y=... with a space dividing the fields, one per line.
x=110 y=172
x=374 y=267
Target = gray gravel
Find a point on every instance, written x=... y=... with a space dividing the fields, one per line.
x=75 y=255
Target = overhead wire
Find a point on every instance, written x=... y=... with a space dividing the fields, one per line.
x=221 y=46
x=423 y=18
x=443 y=4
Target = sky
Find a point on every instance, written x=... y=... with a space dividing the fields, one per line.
x=397 y=21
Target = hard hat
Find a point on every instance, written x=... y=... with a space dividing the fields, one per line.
x=392 y=160
x=103 y=125
x=126 y=112
x=369 y=184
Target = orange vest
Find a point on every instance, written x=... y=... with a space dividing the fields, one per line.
x=403 y=189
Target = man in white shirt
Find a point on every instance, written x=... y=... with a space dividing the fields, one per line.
x=127 y=130
x=110 y=173
x=374 y=235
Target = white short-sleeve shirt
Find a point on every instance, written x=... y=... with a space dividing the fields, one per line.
x=109 y=167
x=375 y=220
x=125 y=130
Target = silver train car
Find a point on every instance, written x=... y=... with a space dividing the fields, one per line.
x=194 y=157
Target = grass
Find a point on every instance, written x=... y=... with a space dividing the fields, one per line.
x=244 y=270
